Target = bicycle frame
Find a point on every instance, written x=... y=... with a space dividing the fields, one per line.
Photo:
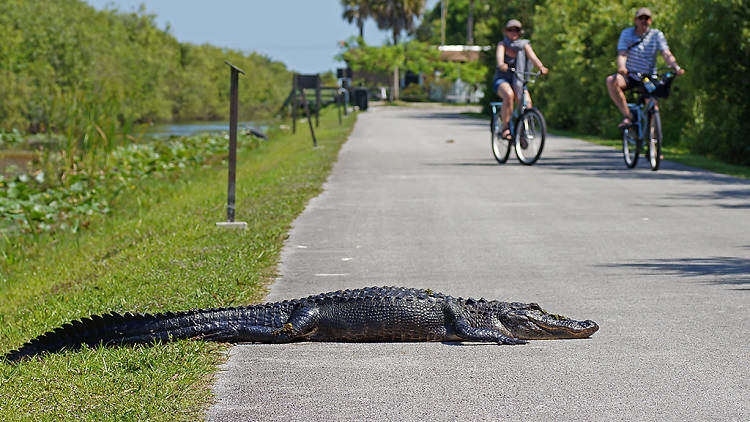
x=526 y=126
x=518 y=107
x=645 y=109
x=646 y=126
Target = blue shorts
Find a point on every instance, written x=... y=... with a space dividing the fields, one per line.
x=500 y=79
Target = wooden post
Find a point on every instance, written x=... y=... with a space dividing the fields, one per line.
x=309 y=118
x=317 y=102
x=295 y=103
x=338 y=104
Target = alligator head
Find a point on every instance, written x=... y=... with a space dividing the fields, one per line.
x=528 y=321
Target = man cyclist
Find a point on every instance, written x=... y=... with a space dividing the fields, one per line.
x=636 y=53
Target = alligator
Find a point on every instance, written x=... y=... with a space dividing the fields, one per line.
x=373 y=314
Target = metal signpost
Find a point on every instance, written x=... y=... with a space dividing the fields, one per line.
x=233 y=94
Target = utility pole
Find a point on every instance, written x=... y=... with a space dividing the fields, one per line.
x=470 y=24
x=443 y=11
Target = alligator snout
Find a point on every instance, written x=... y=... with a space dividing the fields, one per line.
x=589 y=327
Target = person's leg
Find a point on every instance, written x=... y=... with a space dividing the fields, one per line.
x=505 y=92
x=529 y=104
x=615 y=85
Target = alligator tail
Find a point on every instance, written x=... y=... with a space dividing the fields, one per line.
x=129 y=328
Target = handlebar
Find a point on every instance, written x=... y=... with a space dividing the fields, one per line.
x=670 y=73
x=529 y=77
x=656 y=84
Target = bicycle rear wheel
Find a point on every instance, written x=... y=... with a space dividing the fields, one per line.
x=500 y=146
x=530 y=132
x=631 y=144
x=654 y=140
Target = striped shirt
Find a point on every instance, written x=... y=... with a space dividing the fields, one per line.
x=641 y=55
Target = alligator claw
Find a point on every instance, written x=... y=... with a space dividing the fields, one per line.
x=286 y=329
x=511 y=341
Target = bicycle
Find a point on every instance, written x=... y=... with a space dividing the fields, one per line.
x=527 y=129
x=646 y=119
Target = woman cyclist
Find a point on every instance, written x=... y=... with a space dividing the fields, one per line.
x=508 y=52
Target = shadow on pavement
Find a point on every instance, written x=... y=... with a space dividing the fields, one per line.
x=724 y=270
x=596 y=162
x=488 y=163
x=728 y=194
x=449 y=115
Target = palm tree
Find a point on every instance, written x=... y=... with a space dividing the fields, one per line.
x=357 y=11
x=397 y=15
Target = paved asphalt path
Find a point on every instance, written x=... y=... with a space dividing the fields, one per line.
x=660 y=260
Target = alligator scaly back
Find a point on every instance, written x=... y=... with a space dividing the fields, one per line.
x=368 y=314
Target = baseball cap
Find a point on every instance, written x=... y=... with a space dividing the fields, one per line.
x=513 y=23
x=643 y=11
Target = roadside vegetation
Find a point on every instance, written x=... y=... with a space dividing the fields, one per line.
x=156 y=250
x=31 y=203
x=89 y=75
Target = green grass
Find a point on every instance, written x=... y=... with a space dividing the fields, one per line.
x=158 y=250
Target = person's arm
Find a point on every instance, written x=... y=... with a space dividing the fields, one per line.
x=501 y=58
x=534 y=59
x=622 y=52
x=672 y=61
x=622 y=58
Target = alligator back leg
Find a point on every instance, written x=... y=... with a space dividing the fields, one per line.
x=465 y=331
x=301 y=323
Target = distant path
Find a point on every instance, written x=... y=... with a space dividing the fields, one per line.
x=660 y=260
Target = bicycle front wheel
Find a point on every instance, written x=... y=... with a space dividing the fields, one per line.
x=631 y=144
x=654 y=140
x=500 y=146
x=530 y=132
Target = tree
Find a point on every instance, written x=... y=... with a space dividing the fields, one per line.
x=357 y=11
x=472 y=22
x=397 y=15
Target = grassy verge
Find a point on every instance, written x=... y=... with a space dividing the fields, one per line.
x=158 y=250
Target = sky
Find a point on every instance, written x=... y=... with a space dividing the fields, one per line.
x=303 y=34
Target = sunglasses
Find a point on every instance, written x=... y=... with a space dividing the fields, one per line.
x=644 y=17
x=513 y=29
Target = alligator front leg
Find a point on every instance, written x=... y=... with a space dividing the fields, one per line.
x=466 y=332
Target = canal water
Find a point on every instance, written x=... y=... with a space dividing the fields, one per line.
x=191 y=128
